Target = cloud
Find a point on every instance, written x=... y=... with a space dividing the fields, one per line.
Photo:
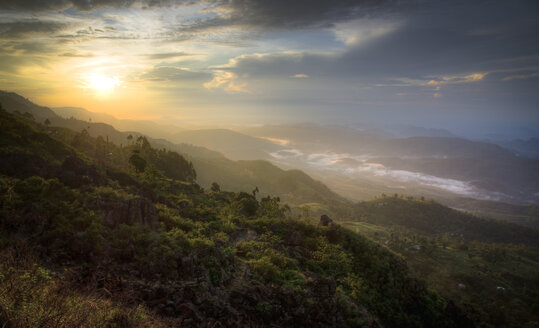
x=300 y=76
x=294 y=14
x=226 y=81
x=167 y=55
x=520 y=76
x=42 y=5
x=444 y=80
x=360 y=31
x=170 y=73
x=25 y=28
x=76 y=55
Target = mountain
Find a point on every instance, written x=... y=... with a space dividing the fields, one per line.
x=357 y=142
x=432 y=218
x=475 y=262
x=510 y=178
x=234 y=145
x=528 y=148
x=480 y=169
x=16 y=103
x=85 y=225
x=146 y=127
x=406 y=131
x=147 y=248
x=294 y=187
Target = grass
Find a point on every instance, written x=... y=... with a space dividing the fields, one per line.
x=33 y=296
x=448 y=263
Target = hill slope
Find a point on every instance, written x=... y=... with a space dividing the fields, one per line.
x=435 y=219
x=234 y=145
x=163 y=252
x=293 y=187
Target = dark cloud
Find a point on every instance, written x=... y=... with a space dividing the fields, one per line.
x=446 y=39
x=83 y=5
x=285 y=14
x=18 y=29
x=299 y=13
x=170 y=73
x=167 y=55
x=254 y=13
x=40 y=5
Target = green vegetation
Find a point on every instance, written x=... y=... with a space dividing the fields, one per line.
x=479 y=264
x=134 y=241
x=430 y=217
x=91 y=237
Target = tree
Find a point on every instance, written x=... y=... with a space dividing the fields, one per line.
x=47 y=122
x=215 y=187
x=138 y=162
x=129 y=138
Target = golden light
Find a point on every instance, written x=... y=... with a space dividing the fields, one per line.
x=101 y=83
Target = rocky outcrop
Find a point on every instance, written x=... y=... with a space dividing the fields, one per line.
x=132 y=211
x=325 y=220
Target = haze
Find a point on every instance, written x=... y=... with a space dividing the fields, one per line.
x=468 y=67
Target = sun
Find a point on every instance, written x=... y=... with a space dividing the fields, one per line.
x=102 y=83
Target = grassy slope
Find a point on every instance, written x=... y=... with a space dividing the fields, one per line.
x=432 y=218
x=445 y=264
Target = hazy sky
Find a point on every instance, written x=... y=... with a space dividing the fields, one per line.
x=468 y=65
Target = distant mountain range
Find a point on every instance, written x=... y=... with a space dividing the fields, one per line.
x=147 y=127
x=292 y=186
x=500 y=171
x=487 y=166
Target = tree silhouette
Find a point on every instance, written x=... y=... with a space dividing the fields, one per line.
x=138 y=162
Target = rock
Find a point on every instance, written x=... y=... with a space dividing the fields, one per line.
x=325 y=220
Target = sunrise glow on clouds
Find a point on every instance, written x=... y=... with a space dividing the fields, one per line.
x=218 y=60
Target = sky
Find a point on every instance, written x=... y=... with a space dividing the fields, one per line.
x=468 y=66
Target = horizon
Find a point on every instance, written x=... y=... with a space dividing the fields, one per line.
x=468 y=67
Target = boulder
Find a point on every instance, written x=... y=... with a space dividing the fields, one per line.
x=325 y=220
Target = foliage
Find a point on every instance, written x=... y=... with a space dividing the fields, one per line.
x=159 y=228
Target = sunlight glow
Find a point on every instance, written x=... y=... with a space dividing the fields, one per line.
x=101 y=82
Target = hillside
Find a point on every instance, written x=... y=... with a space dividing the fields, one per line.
x=234 y=145
x=146 y=127
x=497 y=173
x=432 y=218
x=145 y=249
x=487 y=266
x=158 y=244
x=294 y=187
x=511 y=176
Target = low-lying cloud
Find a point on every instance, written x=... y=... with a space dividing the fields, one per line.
x=358 y=167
